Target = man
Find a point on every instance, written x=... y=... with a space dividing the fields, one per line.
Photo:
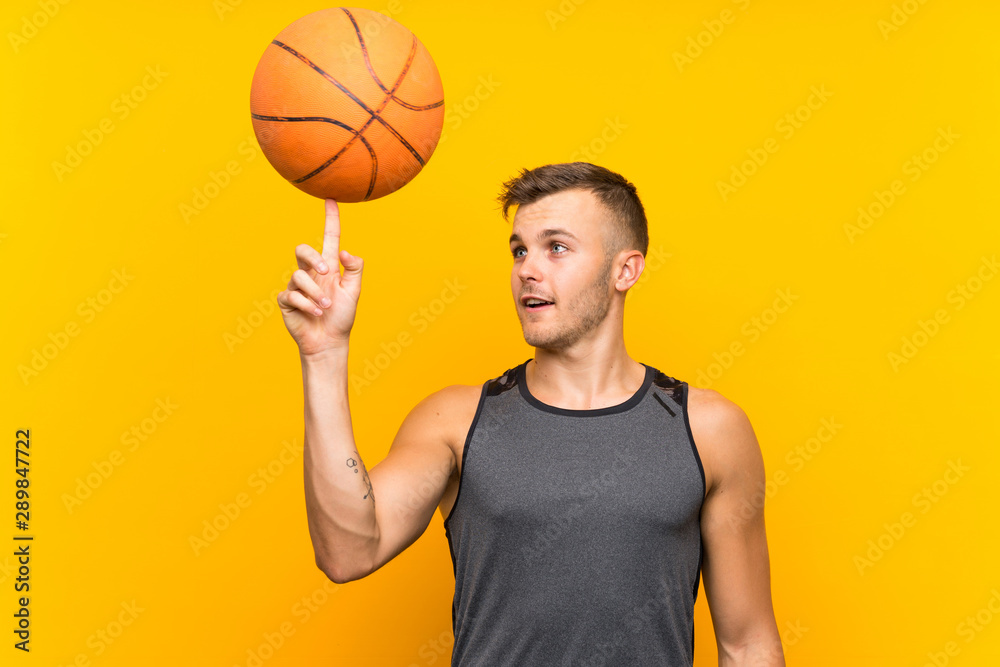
x=583 y=492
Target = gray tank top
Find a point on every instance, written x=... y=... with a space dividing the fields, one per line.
x=575 y=535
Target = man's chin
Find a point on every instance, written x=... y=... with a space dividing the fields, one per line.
x=543 y=343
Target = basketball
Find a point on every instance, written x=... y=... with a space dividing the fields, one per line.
x=347 y=104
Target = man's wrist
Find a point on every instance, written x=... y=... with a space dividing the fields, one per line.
x=336 y=352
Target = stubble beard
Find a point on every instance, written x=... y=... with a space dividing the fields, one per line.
x=587 y=311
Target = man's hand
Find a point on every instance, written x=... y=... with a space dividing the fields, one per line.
x=319 y=305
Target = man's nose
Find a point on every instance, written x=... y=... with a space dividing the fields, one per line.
x=530 y=267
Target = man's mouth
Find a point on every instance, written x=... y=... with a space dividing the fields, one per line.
x=535 y=304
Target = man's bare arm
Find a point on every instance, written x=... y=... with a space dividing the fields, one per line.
x=350 y=538
x=736 y=570
x=340 y=499
x=413 y=477
x=358 y=519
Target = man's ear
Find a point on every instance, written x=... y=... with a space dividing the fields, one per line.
x=632 y=265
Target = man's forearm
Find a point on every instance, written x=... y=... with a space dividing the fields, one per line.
x=340 y=503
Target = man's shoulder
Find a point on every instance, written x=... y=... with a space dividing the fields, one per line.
x=461 y=396
x=711 y=405
x=452 y=409
x=452 y=400
x=457 y=403
x=721 y=431
x=454 y=396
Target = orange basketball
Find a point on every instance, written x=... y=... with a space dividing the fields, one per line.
x=347 y=104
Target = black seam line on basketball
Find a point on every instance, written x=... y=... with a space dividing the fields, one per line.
x=373 y=115
x=341 y=86
x=371 y=70
x=324 y=119
x=359 y=133
x=378 y=111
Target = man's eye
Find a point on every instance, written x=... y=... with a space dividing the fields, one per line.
x=515 y=250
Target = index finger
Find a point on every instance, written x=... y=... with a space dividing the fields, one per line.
x=331 y=233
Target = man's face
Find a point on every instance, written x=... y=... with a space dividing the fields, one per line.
x=558 y=248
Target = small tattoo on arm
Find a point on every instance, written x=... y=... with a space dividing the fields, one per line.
x=353 y=464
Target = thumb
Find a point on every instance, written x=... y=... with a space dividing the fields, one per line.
x=352 y=270
x=350 y=262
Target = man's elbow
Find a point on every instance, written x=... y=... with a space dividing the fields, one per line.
x=331 y=573
x=339 y=574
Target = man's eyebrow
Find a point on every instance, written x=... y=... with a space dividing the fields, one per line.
x=546 y=233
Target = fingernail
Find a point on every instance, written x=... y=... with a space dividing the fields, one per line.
x=322 y=266
x=326 y=302
x=318 y=311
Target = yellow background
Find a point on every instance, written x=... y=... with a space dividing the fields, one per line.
x=561 y=74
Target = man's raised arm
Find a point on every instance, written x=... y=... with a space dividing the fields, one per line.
x=352 y=532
